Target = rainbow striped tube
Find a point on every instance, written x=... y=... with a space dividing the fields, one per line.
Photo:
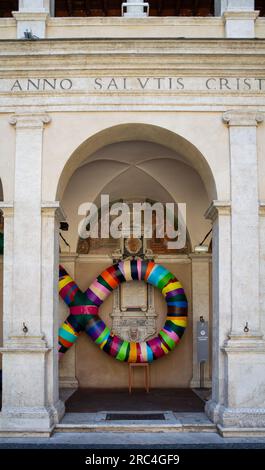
x=84 y=311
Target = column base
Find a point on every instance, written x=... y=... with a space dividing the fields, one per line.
x=236 y=422
x=37 y=422
x=240 y=432
x=195 y=383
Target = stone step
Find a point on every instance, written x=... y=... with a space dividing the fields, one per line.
x=100 y=422
x=132 y=427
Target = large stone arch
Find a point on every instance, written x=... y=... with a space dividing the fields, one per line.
x=188 y=152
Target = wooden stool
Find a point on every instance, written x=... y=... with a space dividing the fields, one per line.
x=146 y=374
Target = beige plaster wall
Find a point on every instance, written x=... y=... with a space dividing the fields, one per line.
x=133 y=27
x=261 y=160
x=193 y=27
x=96 y=369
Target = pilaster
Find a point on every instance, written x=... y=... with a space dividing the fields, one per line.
x=262 y=264
x=52 y=215
x=244 y=221
x=30 y=390
x=239 y=17
x=67 y=368
x=238 y=394
x=219 y=213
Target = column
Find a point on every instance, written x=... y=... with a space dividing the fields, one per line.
x=245 y=221
x=67 y=371
x=241 y=404
x=200 y=307
x=32 y=17
x=262 y=264
x=239 y=17
x=27 y=405
x=219 y=212
x=52 y=215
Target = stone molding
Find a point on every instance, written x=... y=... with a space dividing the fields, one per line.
x=126 y=22
x=218 y=208
x=244 y=118
x=29 y=120
x=53 y=210
x=25 y=343
x=98 y=258
x=66 y=257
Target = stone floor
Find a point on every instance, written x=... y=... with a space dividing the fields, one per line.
x=85 y=400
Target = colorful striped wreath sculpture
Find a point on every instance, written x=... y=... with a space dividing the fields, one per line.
x=84 y=308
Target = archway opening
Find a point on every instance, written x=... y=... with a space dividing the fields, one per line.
x=131 y=169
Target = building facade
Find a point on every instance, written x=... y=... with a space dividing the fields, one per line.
x=143 y=101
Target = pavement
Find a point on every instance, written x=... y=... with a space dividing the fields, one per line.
x=138 y=440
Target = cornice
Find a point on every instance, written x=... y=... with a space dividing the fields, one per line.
x=139 y=21
x=220 y=46
x=187 y=56
x=240 y=15
x=54 y=210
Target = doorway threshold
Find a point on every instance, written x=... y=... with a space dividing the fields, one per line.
x=167 y=421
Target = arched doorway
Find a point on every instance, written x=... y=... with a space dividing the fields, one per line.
x=133 y=164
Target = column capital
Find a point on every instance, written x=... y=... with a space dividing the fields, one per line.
x=237 y=117
x=217 y=208
x=53 y=209
x=29 y=120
